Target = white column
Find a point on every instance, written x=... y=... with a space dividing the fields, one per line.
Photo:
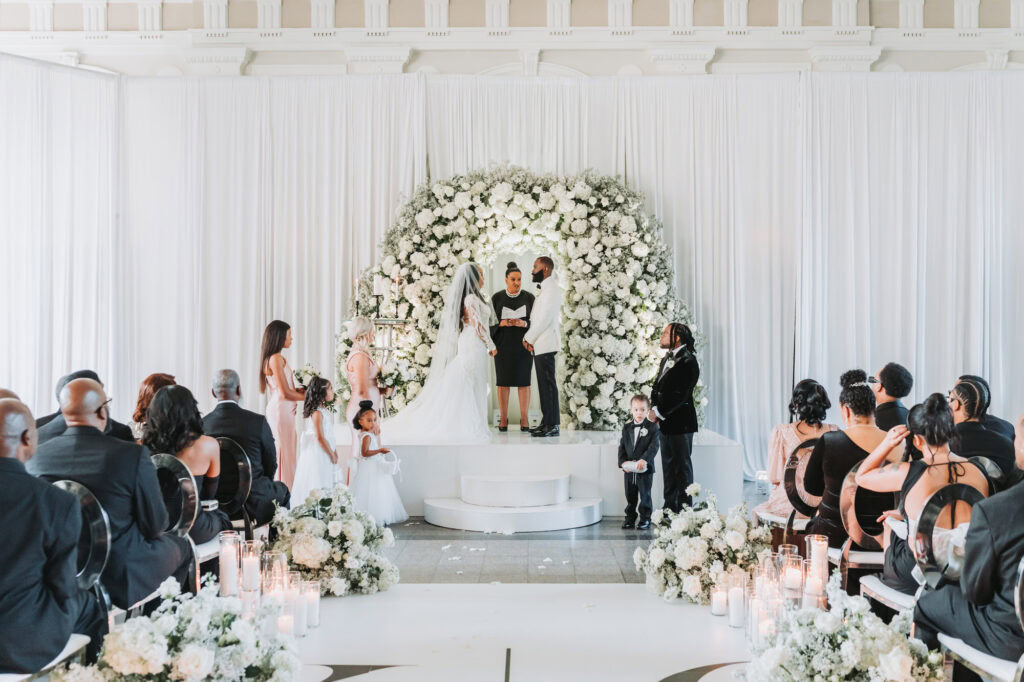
x=268 y=15
x=40 y=15
x=620 y=14
x=791 y=13
x=151 y=15
x=321 y=14
x=735 y=13
x=496 y=14
x=965 y=14
x=1016 y=13
x=215 y=15
x=559 y=17
x=844 y=12
x=376 y=14
x=911 y=14
x=435 y=15
x=680 y=13
x=94 y=16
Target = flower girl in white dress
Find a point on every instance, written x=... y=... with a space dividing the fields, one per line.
x=373 y=486
x=318 y=455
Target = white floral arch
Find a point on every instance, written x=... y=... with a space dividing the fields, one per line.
x=610 y=258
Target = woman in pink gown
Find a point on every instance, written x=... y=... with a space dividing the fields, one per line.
x=276 y=375
x=361 y=372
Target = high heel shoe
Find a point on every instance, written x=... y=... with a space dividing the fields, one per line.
x=503 y=429
x=524 y=427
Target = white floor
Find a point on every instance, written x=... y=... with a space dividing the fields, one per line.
x=558 y=632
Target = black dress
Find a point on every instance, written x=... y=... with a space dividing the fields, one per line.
x=829 y=463
x=899 y=559
x=513 y=364
x=208 y=523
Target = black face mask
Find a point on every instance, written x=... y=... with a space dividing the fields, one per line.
x=538 y=276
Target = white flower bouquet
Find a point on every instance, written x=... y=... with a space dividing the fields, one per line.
x=192 y=638
x=327 y=539
x=612 y=261
x=847 y=642
x=693 y=548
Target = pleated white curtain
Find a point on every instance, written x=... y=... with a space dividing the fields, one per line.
x=818 y=222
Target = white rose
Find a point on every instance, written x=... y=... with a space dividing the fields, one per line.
x=502 y=193
x=193 y=663
x=734 y=540
x=657 y=557
x=657 y=516
x=896 y=665
x=826 y=622
x=693 y=489
x=691 y=586
x=334 y=528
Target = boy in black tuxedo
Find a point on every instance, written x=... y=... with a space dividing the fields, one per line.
x=637 y=448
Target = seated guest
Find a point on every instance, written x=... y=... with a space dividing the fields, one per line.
x=252 y=432
x=147 y=389
x=837 y=452
x=967 y=400
x=54 y=425
x=990 y=421
x=38 y=590
x=980 y=610
x=891 y=383
x=173 y=425
x=931 y=427
x=807 y=410
x=123 y=478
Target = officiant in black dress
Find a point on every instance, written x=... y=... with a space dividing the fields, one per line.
x=513 y=364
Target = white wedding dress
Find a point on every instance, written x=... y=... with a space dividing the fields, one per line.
x=315 y=469
x=452 y=406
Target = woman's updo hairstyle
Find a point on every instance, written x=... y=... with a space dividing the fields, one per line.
x=364 y=407
x=809 y=403
x=932 y=420
x=973 y=395
x=856 y=393
x=512 y=267
x=359 y=327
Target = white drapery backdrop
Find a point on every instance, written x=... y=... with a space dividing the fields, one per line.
x=819 y=222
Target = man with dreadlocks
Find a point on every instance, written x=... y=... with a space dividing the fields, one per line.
x=673 y=410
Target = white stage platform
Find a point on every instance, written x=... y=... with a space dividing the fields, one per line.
x=556 y=633
x=517 y=467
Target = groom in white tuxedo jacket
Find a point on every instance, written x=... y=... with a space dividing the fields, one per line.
x=543 y=340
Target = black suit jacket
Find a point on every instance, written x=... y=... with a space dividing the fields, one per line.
x=973 y=439
x=123 y=478
x=39 y=597
x=43 y=421
x=673 y=393
x=55 y=426
x=995 y=544
x=646 y=446
x=252 y=431
x=1000 y=426
x=888 y=415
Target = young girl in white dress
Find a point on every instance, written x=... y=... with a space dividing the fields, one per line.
x=373 y=486
x=318 y=455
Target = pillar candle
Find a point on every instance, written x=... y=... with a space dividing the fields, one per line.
x=719 y=602
x=736 y=606
x=228 y=570
x=312 y=607
x=250 y=573
x=285 y=624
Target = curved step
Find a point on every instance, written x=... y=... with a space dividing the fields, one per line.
x=515 y=491
x=449 y=512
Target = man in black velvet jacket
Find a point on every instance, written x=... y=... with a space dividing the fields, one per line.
x=53 y=425
x=40 y=603
x=980 y=610
x=251 y=431
x=124 y=480
x=672 y=408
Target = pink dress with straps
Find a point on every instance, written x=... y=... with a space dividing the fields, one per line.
x=281 y=415
x=781 y=443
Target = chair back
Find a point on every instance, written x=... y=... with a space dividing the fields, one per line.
x=179 y=492
x=869 y=541
x=997 y=479
x=235 y=477
x=94 y=541
x=935 y=568
x=1018 y=594
x=794 y=489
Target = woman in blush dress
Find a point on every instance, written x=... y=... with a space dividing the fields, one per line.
x=276 y=375
x=361 y=372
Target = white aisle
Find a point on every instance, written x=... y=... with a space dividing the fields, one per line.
x=552 y=632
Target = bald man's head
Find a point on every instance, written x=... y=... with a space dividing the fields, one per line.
x=8 y=393
x=83 y=403
x=17 y=430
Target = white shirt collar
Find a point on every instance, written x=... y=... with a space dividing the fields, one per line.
x=221 y=402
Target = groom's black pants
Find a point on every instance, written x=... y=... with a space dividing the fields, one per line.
x=548 y=388
x=676 y=468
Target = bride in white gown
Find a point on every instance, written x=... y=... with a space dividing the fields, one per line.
x=452 y=406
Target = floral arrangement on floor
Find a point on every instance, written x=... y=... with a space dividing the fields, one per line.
x=304 y=374
x=327 y=539
x=847 y=642
x=192 y=638
x=691 y=549
x=611 y=260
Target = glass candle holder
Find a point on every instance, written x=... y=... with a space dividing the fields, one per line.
x=720 y=597
x=752 y=615
x=295 y=602
x=813 y=582
x=250 y=561
x=817 y=553
x=737 y=599
x=273 y=569
x=228 y=563
x=793 y=575
x=311 y=593
x=787 y=550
